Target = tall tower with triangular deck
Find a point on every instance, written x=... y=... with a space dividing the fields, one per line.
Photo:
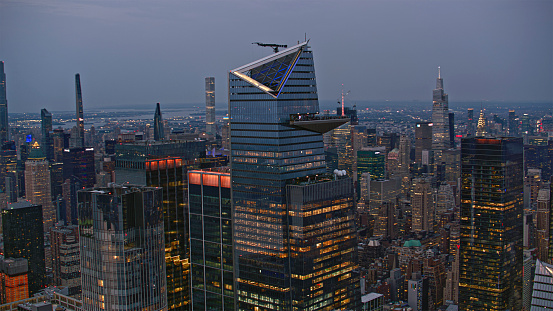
x=281 y=194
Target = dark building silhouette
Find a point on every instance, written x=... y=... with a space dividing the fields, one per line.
x=4 y=125
x=452 y=130
x=24 y=238
x=490 y=275
x=423 y=139
x=159 y=133
x=47 y=144
x=78 y=139
x=79 y=162
x=471 y=129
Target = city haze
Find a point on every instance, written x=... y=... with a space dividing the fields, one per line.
x=135 y=53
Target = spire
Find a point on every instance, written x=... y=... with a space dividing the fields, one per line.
x=439 y=73
x=481 y=129
x=158 y=124
x=79 y=140
x=439 y=80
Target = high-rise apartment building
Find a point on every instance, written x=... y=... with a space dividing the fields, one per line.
x=490 y=276
x=77 y=137
x=210 y=105
x=79 y=162
x=211 y=255
x=4 y=125
x=165 y=164
x=513 y=124
x=66 y=260
x=159 y=132
x=440 y=116
x=423 y=139
x=24 y=238
x=38 y=186
x=423 y=206
x=14 y=281
x=294 y=236
x=122 y=248
x=46 y=129
x=471 y=130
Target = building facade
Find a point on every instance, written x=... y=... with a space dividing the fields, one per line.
x=490 y=276
x=210 y=105
x=4 y=125
x=211 y=255
x=122 y=248
x=38 y=186
x=24 y=238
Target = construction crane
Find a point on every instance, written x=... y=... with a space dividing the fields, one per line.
x=274 y=46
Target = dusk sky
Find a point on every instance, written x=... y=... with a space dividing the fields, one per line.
x=139 y=52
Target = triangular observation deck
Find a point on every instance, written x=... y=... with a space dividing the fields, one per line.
x=270 y=73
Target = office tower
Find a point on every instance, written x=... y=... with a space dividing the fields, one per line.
x=14 y=279
x=69 y=193
x=513 y=124
x=451 y=130
x=279 y=187
x=382 y=191
x=341 y=139
x=159 y=133
x=211 y=256
x=4 y=125
x=210 y=105
x=165 y=164
x=122 y=248
x=77 y=137
x=79 y=162
x=538 y=154
x=388 y=140
x=24 y=238
x=434 y=270
x=491 y=224
x=423 y=206
x=423 y=139
x=543 y=230
x=56 y=178
x=66 y=261
x=525 y=125
x=386 y=221
x=59 y=143
x=404 y=155
x=372 y=160
x=46 y=128
x=470 y=122
x=38 y=187
x=8 y=163
x=440 y=117
x=542 y=297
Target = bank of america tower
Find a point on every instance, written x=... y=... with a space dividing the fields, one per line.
x=294 y=234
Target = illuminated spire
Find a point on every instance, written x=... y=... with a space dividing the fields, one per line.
x=481 y=129
x=439 y=73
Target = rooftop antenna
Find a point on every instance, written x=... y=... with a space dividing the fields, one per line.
x=439 y=73
x=272 y=45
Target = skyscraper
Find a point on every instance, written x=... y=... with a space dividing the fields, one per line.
x=211 y=255
x=159 y=133
x=542 y=299
x=165 y=164
x=423 y=139
x=490 y=276
x=470 y=122
x=513 y=125
x=423 y=206
x=38 y=186
x=24 y=238
x=4 y=125
x=66 y=261
x=79 y=162
x=122 y=248
x=210 y=105
x=440 y=117
x=279 y=191
x=78 y=139
x=46 y=128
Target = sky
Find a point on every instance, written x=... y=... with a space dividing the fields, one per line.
x=134 y=53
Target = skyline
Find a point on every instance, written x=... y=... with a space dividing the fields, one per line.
x=147 y=53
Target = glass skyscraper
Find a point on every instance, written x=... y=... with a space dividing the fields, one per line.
x=122 y=248
x=210 y=105
x=490 y=273
x=211 y=256
x=294 y=234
